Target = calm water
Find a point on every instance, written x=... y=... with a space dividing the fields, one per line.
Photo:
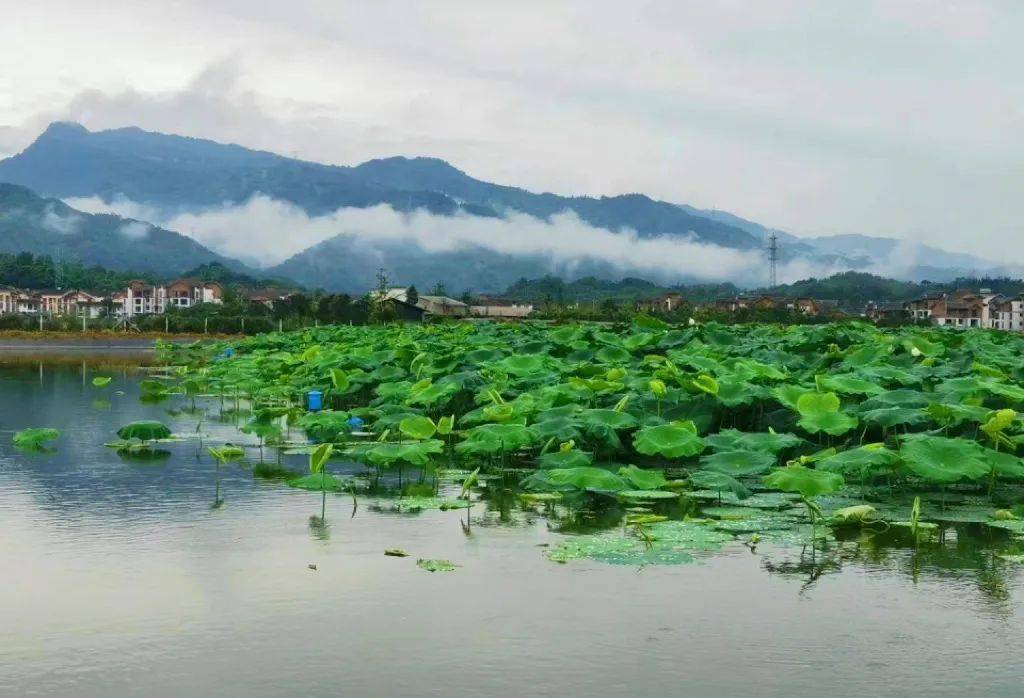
x=118 y=578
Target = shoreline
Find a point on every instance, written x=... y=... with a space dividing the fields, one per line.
x=72 y=341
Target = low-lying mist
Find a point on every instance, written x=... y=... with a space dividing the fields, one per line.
x=265 y=232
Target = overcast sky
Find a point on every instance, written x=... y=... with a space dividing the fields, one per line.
x=898 y=117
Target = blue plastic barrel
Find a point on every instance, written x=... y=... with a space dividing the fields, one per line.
x=315 y=400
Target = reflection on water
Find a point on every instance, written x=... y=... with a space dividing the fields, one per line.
x=161 y=573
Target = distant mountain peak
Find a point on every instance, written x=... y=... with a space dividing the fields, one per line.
x=64 y=128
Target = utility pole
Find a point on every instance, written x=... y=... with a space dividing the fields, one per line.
x=773 y=258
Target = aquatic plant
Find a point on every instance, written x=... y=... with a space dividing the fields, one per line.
x=35 y=438
x=147 y=430
x=860 y=414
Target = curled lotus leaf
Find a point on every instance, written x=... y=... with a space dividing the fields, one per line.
x=147 y=430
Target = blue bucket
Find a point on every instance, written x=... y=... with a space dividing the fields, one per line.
x=315 y=400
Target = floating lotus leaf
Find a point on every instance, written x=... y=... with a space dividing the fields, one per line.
x=617 y=549
x=718 y=483
x=646 y=494
x=738 y=463
x=436 y=565
x=589 y=479
x=34 y=438
x=101 y=381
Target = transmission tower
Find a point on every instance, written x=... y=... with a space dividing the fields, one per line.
x=773 y=257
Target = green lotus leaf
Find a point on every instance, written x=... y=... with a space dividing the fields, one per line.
x=340 y=380
x=719 y=482
x=849 y=385
x=436 y=565
x=566 y=459
x=738 y=463
x=642 y=495
x=735 y=440
x=607 y=418
x=101 y=381
x=668 y=440
x=523 y=365
x=491 y=439
x=417 y=453
x=418 y=427
x=585 y=478
x=893 y=416
x=706 y=384
x=942 y=460
x=861 y=463
x=918 y=345
x=35 y=437
x=804 y=481
x=146 y=430
x=643 y=479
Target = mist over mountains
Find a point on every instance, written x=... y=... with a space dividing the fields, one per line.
x=420 y=218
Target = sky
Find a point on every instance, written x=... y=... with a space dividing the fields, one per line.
x=902 y=118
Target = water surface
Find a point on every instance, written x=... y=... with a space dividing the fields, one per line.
x=120 y=578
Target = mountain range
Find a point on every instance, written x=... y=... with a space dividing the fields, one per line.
x=31 y=223
x=168 y=175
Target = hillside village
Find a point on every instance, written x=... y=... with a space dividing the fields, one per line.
x=960 y=309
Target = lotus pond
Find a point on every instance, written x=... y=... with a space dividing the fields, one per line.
x=518 y=510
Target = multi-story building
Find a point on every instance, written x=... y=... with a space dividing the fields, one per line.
x=141 y=298
x=1008 y=314
x=8 y=300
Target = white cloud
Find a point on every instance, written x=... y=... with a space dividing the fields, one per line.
x=889 y=118
x=57 y=223
x=135 y=230
x=266 y=231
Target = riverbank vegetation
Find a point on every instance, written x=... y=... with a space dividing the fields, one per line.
x=696 y=435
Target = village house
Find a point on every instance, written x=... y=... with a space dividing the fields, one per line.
x=885 y=311
x=665 y=303
x=141 y=298
x=962 y=309
x=1007 y=313
x=81 y=303
x=805 y=305
x=50 y=302
x=445 y=306
x=921 y=308
x=185 y=293
x=8 y=300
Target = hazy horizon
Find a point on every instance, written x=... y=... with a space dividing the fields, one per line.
x=880 y=118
